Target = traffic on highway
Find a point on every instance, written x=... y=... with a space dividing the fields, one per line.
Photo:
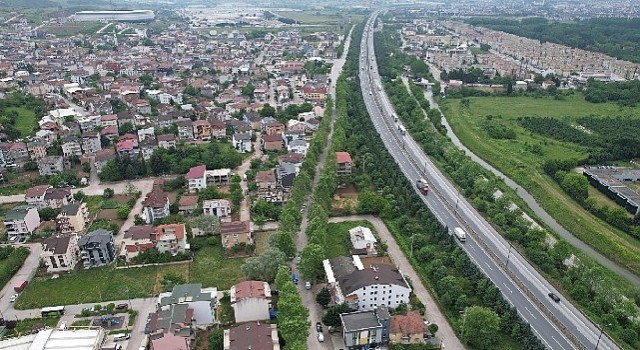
x=554 y=319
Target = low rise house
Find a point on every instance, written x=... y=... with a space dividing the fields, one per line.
x=252 y=336
x=73 y=218
x=50 y=165
x=268 y=188
x=21 y=221
x=251 y=301
x=217 y=207
x=91 y=142
x=298 y=146
x=196 y=178
x=102 y=157
x=366 y=329
x=350 y=282
x=271 y=142
x=362 y=240
x=201 y=300
x=344 y=163
x=35 y=195
x=97 y=247
x=242 y=142
x=407 y=329
x=155 y=206
x=187 y=204
x=219 y=177
x=56 y=198
x=60 y=253
x=170 y=239
x=167 y=141
x=71 y=146
x=173 y=320
x=202 y=130
x=185 y=129
x=235 y=232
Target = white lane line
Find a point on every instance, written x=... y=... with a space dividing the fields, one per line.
x=529 y=311
x=505 y=285
x=554 y=339
x=489 y=266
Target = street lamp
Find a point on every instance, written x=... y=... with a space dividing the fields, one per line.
x=600 y=336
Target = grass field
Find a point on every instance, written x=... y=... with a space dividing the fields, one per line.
x=26 y=121
x=73 y=28
x=338 y=243
x=320 y=17
x=521 y=159
x=96 y=285
x=210 y=268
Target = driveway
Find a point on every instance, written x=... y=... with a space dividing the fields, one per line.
x=432 y=311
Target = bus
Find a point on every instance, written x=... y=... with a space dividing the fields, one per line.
x=52 y=311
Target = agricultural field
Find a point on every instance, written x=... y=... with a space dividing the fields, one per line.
x=489 y=126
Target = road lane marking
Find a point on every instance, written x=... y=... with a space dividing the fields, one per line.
x=530 y=313
x=505 y=285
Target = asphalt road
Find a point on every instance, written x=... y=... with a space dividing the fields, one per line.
x=554 y=323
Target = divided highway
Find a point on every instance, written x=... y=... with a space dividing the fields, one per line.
x=558 y=324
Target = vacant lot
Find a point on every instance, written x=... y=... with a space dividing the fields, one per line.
x=73 y=28
x=26 y=121
x=96 y=285
x=521 y=159
x=212 y=270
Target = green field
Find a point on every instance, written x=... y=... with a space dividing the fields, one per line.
x=96 y=285
x=320 y=17
x=521 y=159
x=26 y=121
x=338 y=243
x=210 y=268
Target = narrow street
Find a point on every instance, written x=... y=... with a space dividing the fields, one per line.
x=245 y=211
x=432 y=311
x=308 y=296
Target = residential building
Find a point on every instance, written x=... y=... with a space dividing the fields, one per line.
x=109 y=120
x=21 y=221
x=242 y=142
x=173 y=319
x=298 y=146
x=60 y=253
x=170 y=342
x=136 y=240
x=366 y=329
x=271 y=142
x=235 y=232
x=344 y=163
x=187 y=204
x=167 y=141
x=274 y=128
x=363 y=288
x=201 y=300
x=362 y=240
x=97 y=247
x=35 y=195
x=314 y=92
x=170 y=238
x=202 y=130
x=50 y=165
x=155 y=206
x=218 y=129
x=259 y=336
x=147 y=147
x=55 y=198
x=91 y=142
x=196 y=178
x=407 y=329
x=251 y=301
x=268 y=188
x=71 y=146
x=37 y=149
x=219 y=177
x=217 y=207
x=89 y=123
x=185 y=129
x=146 y=133
x=73 y=218
x=102 y=157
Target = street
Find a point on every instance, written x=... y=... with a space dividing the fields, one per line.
x=559 y=325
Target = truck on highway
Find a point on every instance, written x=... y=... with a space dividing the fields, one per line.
x=460 y=234
x=423 y=186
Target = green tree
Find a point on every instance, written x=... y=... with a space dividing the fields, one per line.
x=107 y=193
x=311 y=259
x=576 y=185
x=481 y=327
x=79 y=196
x=332 y=317
x=208 y=224
x=47 y=214
x=123 y=212
x=267 y=111
x=284 y=242
x=324 y=297
x=265 y=266
x=216 y=339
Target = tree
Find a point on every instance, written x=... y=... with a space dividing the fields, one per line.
x=79 y=196
x=324 y=297
x=47 y=214
x=216 y=339
x=267 y=111
x=480 y=327
x=311 y=259
x=123 y=212
x=284 y=242
x=248 y=89
x=433 y=328
x=107 y=193
x=265 y=266
x=125 y=128
x=207 y=224
x=86 y=167
x=332 y=317
x=576 y=185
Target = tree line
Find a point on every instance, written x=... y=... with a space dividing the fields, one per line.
x=593 y=289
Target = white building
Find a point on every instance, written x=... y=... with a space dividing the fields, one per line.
x=53 y=338
x=21 y=221
x=60 y=253
x=217 y=207
x=363 y=239
x=251 y=301
x=197 y=178
x=363 y=288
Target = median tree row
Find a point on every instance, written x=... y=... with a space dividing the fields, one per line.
x=462 y=291
x=603 y=297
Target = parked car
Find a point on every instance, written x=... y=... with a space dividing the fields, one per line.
x=13 y=298
x=121 y=336
x=319 y=327
x=122 y=306
x=320 y=337
x=554 y=297
x=307 y=285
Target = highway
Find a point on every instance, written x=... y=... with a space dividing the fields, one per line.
x=559 y=325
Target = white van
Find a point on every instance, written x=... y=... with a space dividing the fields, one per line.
x=63 y=326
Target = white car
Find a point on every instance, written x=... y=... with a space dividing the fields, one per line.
x=320 y=337
x=13 y=298
x=307 y=285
